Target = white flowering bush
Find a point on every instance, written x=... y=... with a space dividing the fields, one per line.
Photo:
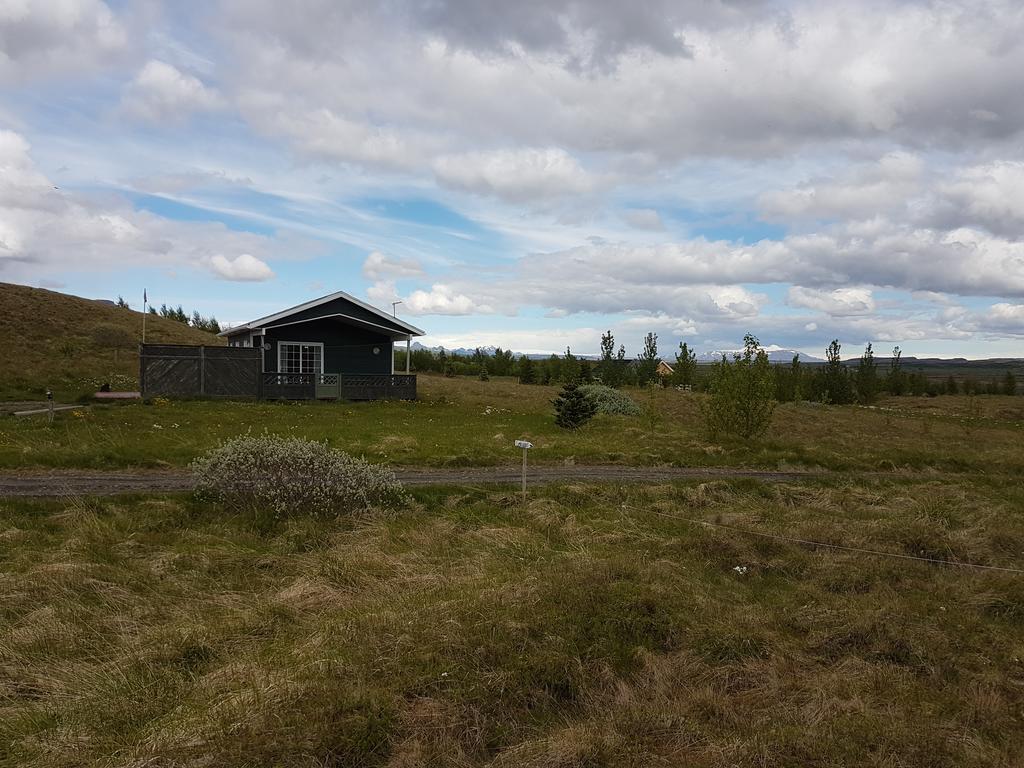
x=285 y=476
x=609 y=400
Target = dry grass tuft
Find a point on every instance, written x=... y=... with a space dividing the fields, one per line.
x=582 y=630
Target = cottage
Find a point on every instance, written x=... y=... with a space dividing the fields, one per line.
x=332 y=347
x=333 y=334
x=343 y=341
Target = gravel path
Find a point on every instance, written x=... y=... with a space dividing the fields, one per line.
x=86 y=482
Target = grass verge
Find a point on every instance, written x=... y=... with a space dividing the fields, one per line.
x=459 y=422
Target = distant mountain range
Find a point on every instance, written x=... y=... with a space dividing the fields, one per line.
x=774 y=355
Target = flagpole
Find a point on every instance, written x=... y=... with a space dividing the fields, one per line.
x=144 y=313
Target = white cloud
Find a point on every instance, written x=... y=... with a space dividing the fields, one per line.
x=162 y=93
x=1002 y=318
x=245 y=268
x=45 y=37
x=867 y=191
x=443 y=300
x=842 y=302
x=46 y=232
x=752 y=85
x=582 y=341
x=379 y=266
x=989 y=195
x=644 y=218
x=518 y=176
x=330 y=135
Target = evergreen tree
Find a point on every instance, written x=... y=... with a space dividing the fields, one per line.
x=570 y=366
x=796 y=372
x=627 y=373
x=573 y=409
x=951 y=387
x=647 y=362
x=609 y=369
x=527 y=374
x=554 y=366
x=867 y=377
x=917 y=383
x=896 y=381
x=586 y=372
x=1009 y=384
x=484 y=376
x=152 y=310
x=835 y=379
x=685 y=370
x=122 y=303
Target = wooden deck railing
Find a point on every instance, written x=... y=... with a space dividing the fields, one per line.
x=332 y=386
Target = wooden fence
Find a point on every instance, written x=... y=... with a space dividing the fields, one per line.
x=176 y=370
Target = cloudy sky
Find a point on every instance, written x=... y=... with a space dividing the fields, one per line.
x=528 y=174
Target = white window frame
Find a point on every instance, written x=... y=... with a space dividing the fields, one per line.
x=282 y=344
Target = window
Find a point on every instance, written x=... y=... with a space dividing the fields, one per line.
x=300 y=357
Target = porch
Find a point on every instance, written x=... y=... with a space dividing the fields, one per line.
x=338 y=386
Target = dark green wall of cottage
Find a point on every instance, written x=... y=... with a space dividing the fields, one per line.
x=347 y=349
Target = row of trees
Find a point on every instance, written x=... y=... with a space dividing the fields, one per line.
x=835 y=381
x=839 y=383
x=178 y=314
x=196 y=320
x=612 y=368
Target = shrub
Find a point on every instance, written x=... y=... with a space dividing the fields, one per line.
x=285 y=476
x=609 y=400
x=573 y=409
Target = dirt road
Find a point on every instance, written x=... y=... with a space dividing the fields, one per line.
x=89 y=483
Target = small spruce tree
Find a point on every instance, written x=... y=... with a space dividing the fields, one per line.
x=951 y=386
x=1009 y=384
x=796 y=372
x=685 y=369
x=586 y=372
x=527 y=373
x=867 y=377
x=573 y=409
x=484 y=376
x=570 y=366
x=647 y=362
x=896 y=381
x=836 y=379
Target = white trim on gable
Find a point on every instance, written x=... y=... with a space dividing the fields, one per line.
x=412 y=329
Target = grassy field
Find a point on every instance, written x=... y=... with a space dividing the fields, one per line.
x=464 y=422
x=591 y=628
x=56 y=348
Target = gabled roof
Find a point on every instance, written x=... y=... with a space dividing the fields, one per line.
x=412 y=330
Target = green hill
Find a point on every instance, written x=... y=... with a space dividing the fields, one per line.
x=72 y=345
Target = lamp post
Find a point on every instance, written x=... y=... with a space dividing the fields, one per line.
x=394 y=304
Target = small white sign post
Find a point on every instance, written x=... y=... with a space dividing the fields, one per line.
x=526 y=446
